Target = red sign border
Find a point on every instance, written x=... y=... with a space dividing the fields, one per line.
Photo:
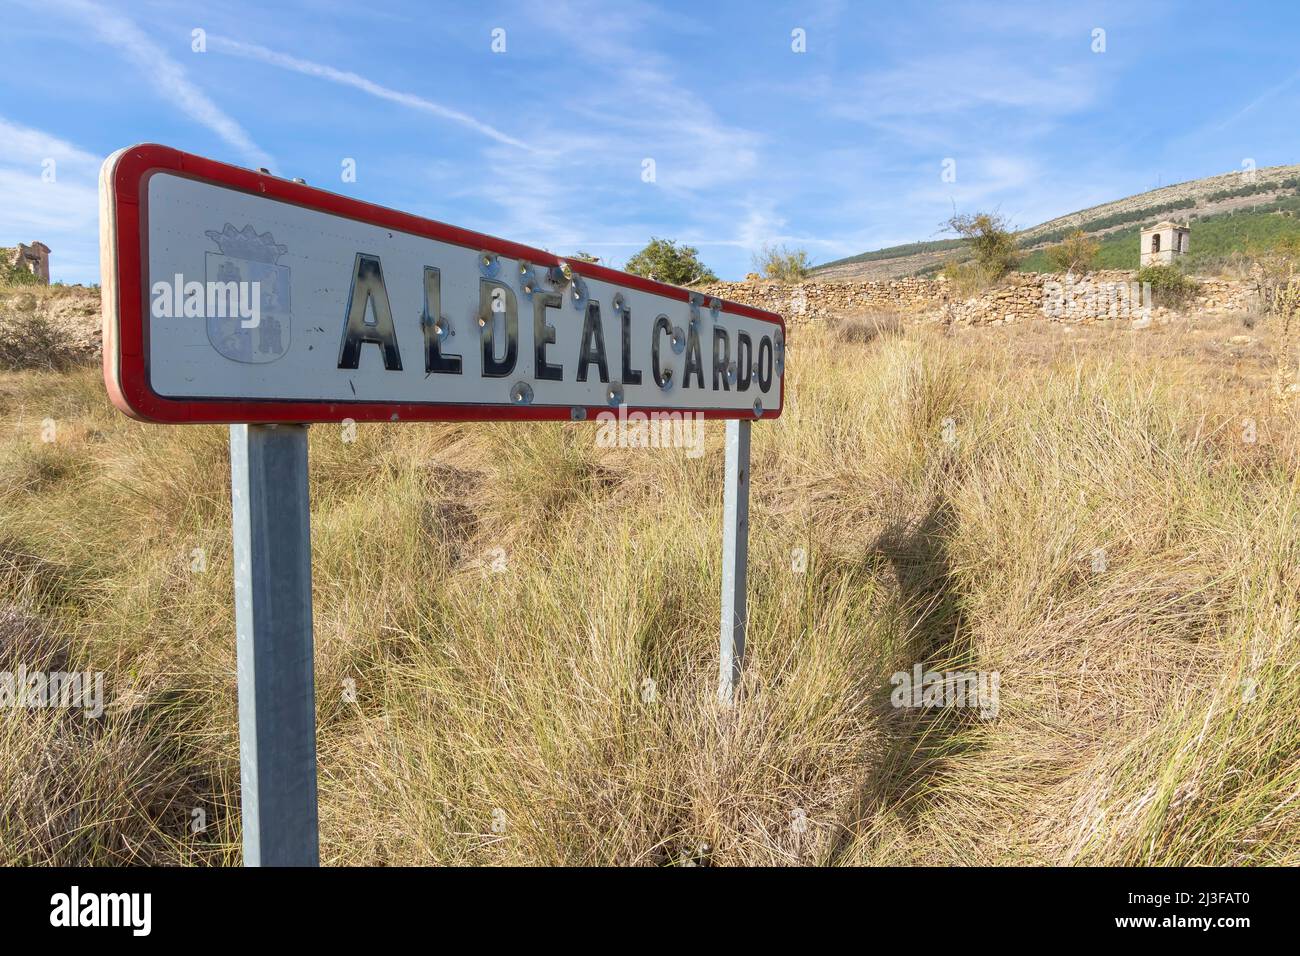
x=124 y=258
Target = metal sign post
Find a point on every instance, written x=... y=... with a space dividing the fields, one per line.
x=273 y=633
x=735 y=559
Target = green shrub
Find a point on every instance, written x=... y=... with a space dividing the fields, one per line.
x=990 y=239
x=1276 y=272
x=1169 y=287
x=665 y=260
x=778 y=262
x=11 y=274
x=966 y=278
x=1076 y=253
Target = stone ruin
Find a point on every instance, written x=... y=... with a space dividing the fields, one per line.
x=34 y=258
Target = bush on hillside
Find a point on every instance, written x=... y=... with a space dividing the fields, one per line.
x=1277 y=277
x=1075 y=253
x=1170 y=288
x=966 y=278
x=11 y=274
x=1277 y=283
x=778 y=262
x=666 y=261
x=48 y=328
x=35 y=342
x=991 y=240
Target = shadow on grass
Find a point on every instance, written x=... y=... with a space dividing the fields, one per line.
x=917 y=741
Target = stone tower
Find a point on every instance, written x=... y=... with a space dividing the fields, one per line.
x=1162 y=243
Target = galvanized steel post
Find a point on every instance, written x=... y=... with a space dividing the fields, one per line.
x=273 y=626
x=735 y=558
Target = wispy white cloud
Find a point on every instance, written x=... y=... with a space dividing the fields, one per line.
x=251 y=51
x=942 y=86
x=168 y=77
x=995 y=116
x=25 y=145
x=48 y=192
x=587 y=190
x=980 y=178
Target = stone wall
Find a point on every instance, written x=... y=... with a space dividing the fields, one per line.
x=807 y=301
x=1227 y=295
x=1020 y=297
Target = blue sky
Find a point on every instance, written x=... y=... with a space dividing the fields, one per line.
x=837 y=149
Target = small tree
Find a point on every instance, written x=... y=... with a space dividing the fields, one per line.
x=1075 y=253
x=1169 y=287
x=665 y=260
x=778 y=262
x=1276 y=271
x=584 y=256
x=990 y=240
x=1277 y=283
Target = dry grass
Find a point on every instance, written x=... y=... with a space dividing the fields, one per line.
x=950 y=494
x=48 y=327
x=867 y=327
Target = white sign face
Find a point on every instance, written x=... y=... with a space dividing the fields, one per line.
x=263 y=300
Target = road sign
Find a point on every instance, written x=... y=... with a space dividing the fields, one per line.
x=237 y=296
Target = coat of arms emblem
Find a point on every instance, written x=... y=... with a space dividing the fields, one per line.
x=249 y=257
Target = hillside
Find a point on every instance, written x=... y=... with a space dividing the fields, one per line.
x=50 y=327
x=1215 y=238
x=1237 y=214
